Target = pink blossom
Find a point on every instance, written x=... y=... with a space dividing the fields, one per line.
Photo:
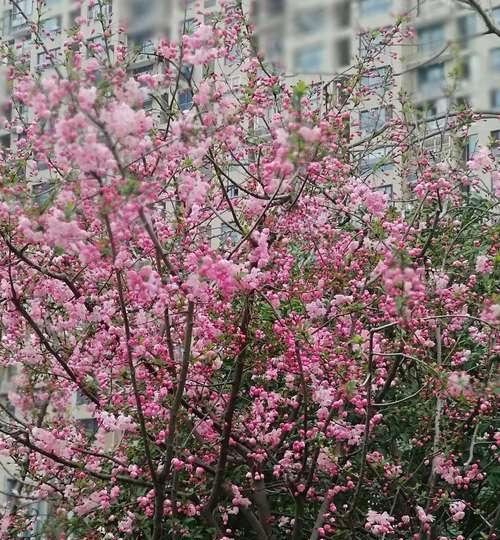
x=122 y=120
x=459 y=384
x=457 y=510
x=484 y=264
x=116 y=423
x=202 y=96
x=379 y=524
x=260 y=253
x=316 y=309
x=86 y=98
x=375 y=202
x=91 y=503
x=310 y=135
x=192 y=190
x=423 y=517
x=480 y=160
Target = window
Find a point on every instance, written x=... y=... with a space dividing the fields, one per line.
x=411 y=175
x=231 y=190
x=97 y=11
x=235 y=85
x=16 y=16
x=309 y=59
x=142 y=43
x=466 y=26
x=464 y=68
x=377 y=160
x=73 y=16
x=229 y=234
x=369 y=7
x=372 y=120
x=6 y=111
x=139 y=9
x=187 y=72
x=386 y=189
x=5 y=142
x=431 y=76
x=234 y=55
x=376 y=80
x=308 y=21
x=495 y=59
x=44 y=60
x=470 y=147
x=428 y=110
x=371 y=42
x=187 y=27
x=147 y=105
x=430 y=38
x=7 y=407
x=315 y=97
x=275 y=7
x=463 y=103
x=81 y=398
x=434 y=112
x=148 y=68
x=496 y=15
x=10 y=487
x=185 y=99
x=343 y=14
x=89 y=426
x=147 y=47
x=273 y=46
x=343 y=51
x=495 y=143
x=41 y=192
x=51 y=25
x=495 y=98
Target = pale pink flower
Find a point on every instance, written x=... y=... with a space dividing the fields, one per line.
x=483 y=264
x=203 y=95
x=459 y=384
x=379 y=524
x=310 y=135
x=457 y=510
x=86 y=98
x=91 y=503
x=480 y=160
x=423 y=517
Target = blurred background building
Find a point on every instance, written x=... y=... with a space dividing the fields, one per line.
x=451 y=62
x=316 y=40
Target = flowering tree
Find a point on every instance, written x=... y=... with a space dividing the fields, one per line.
x=323 y=368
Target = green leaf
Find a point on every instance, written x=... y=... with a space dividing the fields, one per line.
x=350 y=388
x=130 y=187
x=300 y=89
x=69 y=210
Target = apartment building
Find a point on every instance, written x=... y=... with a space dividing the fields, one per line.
x=316 y=41
x=449 y=62
x=313 y=40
